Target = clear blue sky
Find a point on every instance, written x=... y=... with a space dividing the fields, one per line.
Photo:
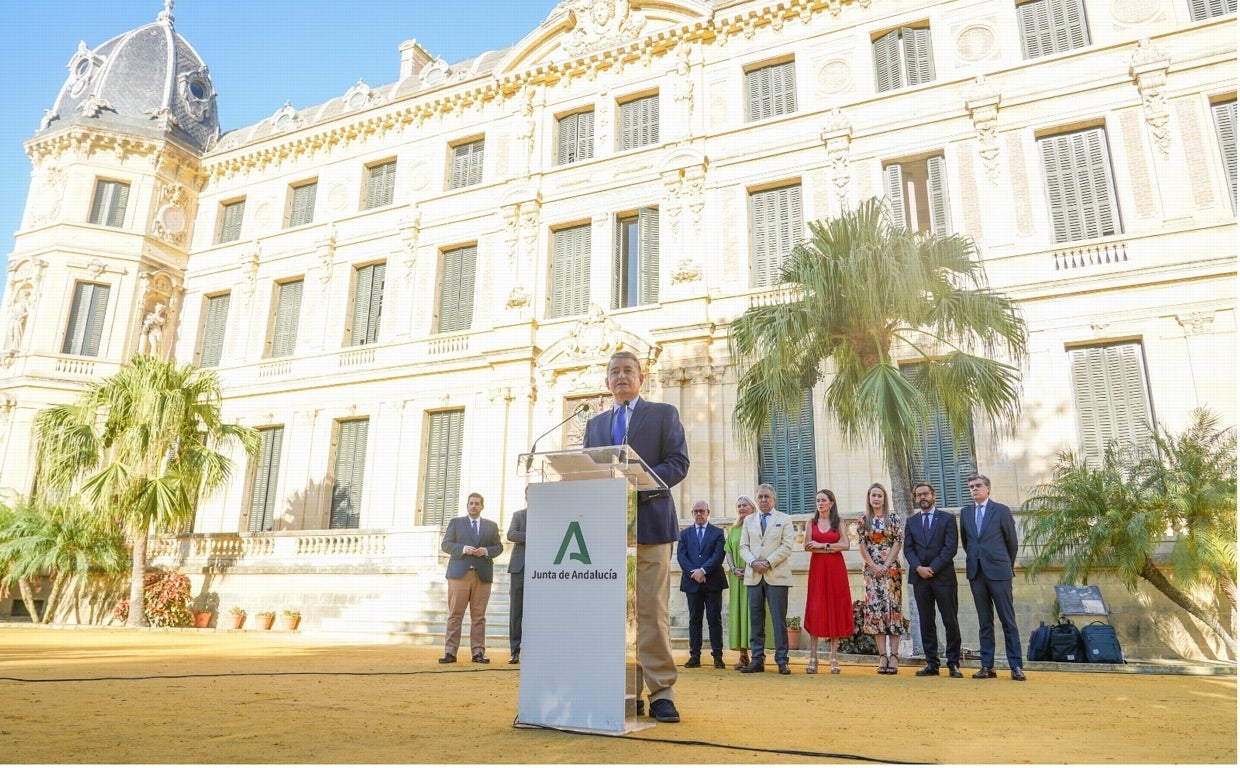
x=261 y=53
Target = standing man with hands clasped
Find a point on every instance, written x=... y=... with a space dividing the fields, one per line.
x=472 y=543
x=766 y=548
x=930 y=543
x=988 y=534
x=654 y=431
x=700 y=554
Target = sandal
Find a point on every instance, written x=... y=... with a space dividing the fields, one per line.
x=894 y=667
x=882 y=664
x=835 y=666
x=812 y=669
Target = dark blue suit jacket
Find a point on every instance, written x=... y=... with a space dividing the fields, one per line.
x=708 y=557
x=656 y=434
x=992 y=551
x=461 y=534
x=935 y=551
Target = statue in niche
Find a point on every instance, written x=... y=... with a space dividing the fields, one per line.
x=17 y=322
x=152 y=340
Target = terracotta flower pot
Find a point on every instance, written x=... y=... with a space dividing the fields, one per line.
x=203 y=620
x=231 y=621
x=264 y=622
x=288 y=623
x=794 y=639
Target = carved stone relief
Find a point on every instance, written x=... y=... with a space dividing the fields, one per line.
x=1148 y=69
x=48 y=193
x=599 y=24
x=837 y=138
x=982 y=100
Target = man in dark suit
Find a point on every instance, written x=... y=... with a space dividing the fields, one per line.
x=472 y=543
x=654 y=431
x=930 y=542
x=516 y=583
x=988 y=533
x=700 y=554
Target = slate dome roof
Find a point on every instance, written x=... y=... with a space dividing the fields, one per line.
x=147 y=81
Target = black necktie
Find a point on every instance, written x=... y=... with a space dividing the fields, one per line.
x=927 y=519
x=475 y=524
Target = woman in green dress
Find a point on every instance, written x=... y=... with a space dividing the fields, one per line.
x=738 y=601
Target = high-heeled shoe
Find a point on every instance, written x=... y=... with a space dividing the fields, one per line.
x=744 y=661
x=812 y=669
x=893 y=667
x=835 y=666
x=882 y=664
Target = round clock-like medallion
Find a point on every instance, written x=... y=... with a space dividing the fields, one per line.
x=172 y=219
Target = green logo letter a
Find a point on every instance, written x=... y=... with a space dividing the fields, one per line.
x=573 y=533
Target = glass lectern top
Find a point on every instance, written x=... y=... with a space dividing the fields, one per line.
x=590 y=464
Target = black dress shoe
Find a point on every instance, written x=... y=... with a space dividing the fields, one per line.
x=641 y=707
x=927 y=671
x=693 y=662
x=783 y=669
x=480 y=659
x=754 y=666
x=664 y=711
x=719 y=663
x=1018 y=674
x=448 y=658
x=984 y=673
x=953 y=670
x=515 y=658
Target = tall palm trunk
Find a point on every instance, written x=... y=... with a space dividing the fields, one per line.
x=137 y=575
x=58 y=587
x=902 y=505
x=1153 y=575
x=23 y=585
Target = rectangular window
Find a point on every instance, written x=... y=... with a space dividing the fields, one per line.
x=1200 y=10
x=940 y=457
x=1080 y=189
x=380 y=185
x=902 y=57
x=776 y=224
x=639 y=122
x=350 y=470
x=301 y=205
x=266 y=474
x=442 y=491
x=456 y=289
x=574 y=138
x=570 y=271
x=230 y=221
x=770 y=91
x=1051 y=26
x=213 y=329
x=1225 y=129
x=367 y=304
x=635 y=266
x=1112 y=398
x=288 y=315
x=108 y=208
x=786 y=458
x=917 y=194
x=86 y=316
x=466 y=164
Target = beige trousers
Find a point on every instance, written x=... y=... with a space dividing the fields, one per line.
x=472 y=592
x=655 y=666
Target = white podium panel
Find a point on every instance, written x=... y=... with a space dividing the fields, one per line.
x=573 y=633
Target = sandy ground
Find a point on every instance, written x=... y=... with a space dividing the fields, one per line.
x=122 y=696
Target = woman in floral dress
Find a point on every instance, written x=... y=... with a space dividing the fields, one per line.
x=881 y=535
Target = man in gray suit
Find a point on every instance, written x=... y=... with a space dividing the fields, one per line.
x=516 y=583
x=472 y=543
x=988 y=534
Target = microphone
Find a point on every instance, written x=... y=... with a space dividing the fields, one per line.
x=529 y=457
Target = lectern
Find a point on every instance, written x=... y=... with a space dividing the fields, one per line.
x=575 y=659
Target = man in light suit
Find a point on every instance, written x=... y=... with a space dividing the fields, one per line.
x=766 y=548
x=654 y=431
x=472 y=543
x=988 y=533
x=930 y=543
x=700 y=554
x=516 y=584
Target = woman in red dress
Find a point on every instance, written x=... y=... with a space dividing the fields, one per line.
x=828 y=604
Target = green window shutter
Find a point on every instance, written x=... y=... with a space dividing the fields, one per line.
x=936 y=189
x=467 y=164
x=786 y=457
x=99 y=205
x=230 y=228
x=213 y=330
x=648 y=255
x=940 y=457
x=888 y=69
x=1071 y=30
x=266 y=474
x=570 y=271
x=1052 y=26
x=893 y=185
x=585 y=135
x=784 y=88
x=566 y=140
x=346 y=509
x=1079 y=186
x=1225 y=129
x=619 y=264
x=86 y=316
x=380 y=184
x=303 y=204
x=1200 y=10
x=288 y=314
x=1112 y=399
x=776 y=222
x=639 y=122
x=367 y=304
x=441 y=492
x=918 y=57
x=456 y=290
x=1036 y=36
x=758 y=94
x=108 y=207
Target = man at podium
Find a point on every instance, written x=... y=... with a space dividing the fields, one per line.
x=654 y=431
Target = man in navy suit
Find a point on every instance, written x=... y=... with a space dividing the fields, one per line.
x=654 y=431
x=930 y=543
x=988 y=533
x=700 y=554
x=472 y=543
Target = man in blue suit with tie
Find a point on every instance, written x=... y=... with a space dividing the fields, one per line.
x=700 y=554
x=988 y=533
x=930 y=543
x=654 y=431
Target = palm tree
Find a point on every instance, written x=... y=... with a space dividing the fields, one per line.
x=142 y=446
x=857 y=290
x=1115 y=516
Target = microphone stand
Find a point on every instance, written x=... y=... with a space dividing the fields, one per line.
x=529 y=457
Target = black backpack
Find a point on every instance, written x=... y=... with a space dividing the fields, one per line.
x=1040 y=643
x=1101 y=644
x=1066 y=643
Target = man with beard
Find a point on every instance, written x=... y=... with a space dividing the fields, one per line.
x=930 y=542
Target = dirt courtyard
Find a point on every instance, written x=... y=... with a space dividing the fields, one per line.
x=126 y=696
